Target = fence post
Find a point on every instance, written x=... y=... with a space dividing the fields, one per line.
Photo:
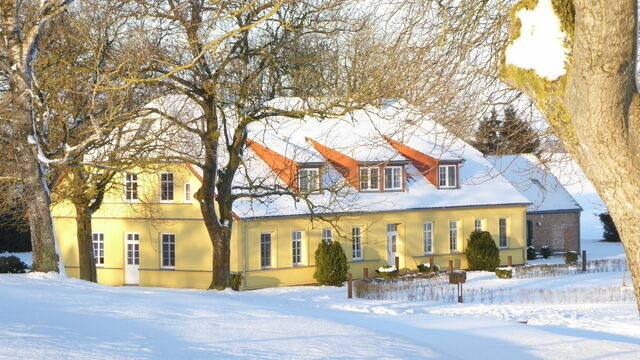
x=450 y=265
x=349 y=286
x=431 y=262
x=398 y=264
x=365 y=274
x=510 y=260
x=584 y=260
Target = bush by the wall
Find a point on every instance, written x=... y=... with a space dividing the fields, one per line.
x=12 y=265
x=482 y=252
x=545 y=251
x=531 y=253
x=571 y=258
x=504 y=273
x=610 y=232
x=235 y=281
x=387 y=271
x=427 y=268
x=331 y=264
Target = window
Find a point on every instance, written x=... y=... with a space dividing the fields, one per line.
x=478 y=225
x=187 y=192
x=356 y=243
x=131 y=186
x=369 y=178
x=503 y=233
x=427 y=236
x=448 y=176
x=296 y=247
x=133 y=249
x=166 y=186
x=168 y=250
x=327 y=235
x=308 y=179
x=98 y=248
x=453 y=235
x=265 y=250
x=393 y=178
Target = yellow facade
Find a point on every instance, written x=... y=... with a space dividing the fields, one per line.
x=150 y=218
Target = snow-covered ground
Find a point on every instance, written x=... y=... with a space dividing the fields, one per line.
x=46 y=316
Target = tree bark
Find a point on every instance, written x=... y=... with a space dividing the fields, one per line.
x=84 y=235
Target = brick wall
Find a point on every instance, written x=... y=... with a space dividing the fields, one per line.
x=560 y=231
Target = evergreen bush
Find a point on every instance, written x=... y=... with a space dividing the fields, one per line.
x=426 y=268
x=331 y=264
x=235 y=281
x=545 y=251
x=610 y=232
x=531 y=253
x=571 y=258
x=504 y=273
x=387 y=271
x=12 y=265
x=482 y=252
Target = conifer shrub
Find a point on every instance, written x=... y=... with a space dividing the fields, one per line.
x=531 y=253
x=12 y=265
x=427 y=268
x=331 y=264
x=482 y=252
x=387 y=271
x=571 y=258
x=610 y=232
x=504 y=273
x=235 y=281
x=545 y=251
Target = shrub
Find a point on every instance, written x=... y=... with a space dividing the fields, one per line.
x=571 y=258
x=504 y=273
x=235 y=281
x=12 y=265
x=610 y=232
x=387 y=271
x=545 y=251
x=531 y=253
x=331 y=264
x=426 y=268
x=482 y=252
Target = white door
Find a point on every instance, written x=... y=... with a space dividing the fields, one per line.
x=132 y=259
x=392 y=240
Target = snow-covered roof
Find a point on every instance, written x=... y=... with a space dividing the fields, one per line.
x=529 y=175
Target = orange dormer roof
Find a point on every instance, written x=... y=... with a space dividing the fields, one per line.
x=285 y=168
x=424 y=163
x=346 y=165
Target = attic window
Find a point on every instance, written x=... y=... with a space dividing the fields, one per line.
x=309 y=179
x=393 y=178
x=447 y=176
x=369 y=178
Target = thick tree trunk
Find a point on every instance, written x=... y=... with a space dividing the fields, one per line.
x=86 y=260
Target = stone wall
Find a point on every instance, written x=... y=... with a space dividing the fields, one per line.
x=559 y=231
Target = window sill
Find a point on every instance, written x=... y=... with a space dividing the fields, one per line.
x=168 y=267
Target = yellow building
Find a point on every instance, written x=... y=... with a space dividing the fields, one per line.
x=382 y=196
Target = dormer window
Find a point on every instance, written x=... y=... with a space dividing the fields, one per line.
x=447 y=176
x=393 y=178
x=369 y=178
x=309 y=179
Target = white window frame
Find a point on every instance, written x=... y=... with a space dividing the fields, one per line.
x=395 y=171
x=170 y=184
x=427 y=237
x=265 y=251
x=162 y=250
x=503 y=232
x=327 y=235
x=131 y=187
x=135 y=237
x=444 y=177
x=356 y=243
x=296 y=247
x=313 y=179
x=482 y=223
x=365 y=178
x=454 y=235
x=187 y=192
x=97 y=238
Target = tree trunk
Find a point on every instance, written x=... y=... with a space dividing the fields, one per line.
x=84 y=235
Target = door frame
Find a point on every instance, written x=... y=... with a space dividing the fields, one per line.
x=391 y=260
x=126 y=259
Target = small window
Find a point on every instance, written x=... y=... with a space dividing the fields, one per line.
x=131 y=186
x=327 y=235
x=478 y=225
x=168 y=250
x=356 y=243
x=308 y=179
x=427 y=235
x=393 y=178
x=98 y=248
x=448 y=176
x=133 y=249
x=296 y=247
x=166 y=186
x=453 y=235
x=369 y=178
x=265 y=250
x=187 y=192
x=503 y=233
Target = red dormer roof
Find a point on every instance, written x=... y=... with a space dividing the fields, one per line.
x=427 y=165
x=346 y=165
x=285 y=168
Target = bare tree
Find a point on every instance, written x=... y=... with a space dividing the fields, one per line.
x=593 y=106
